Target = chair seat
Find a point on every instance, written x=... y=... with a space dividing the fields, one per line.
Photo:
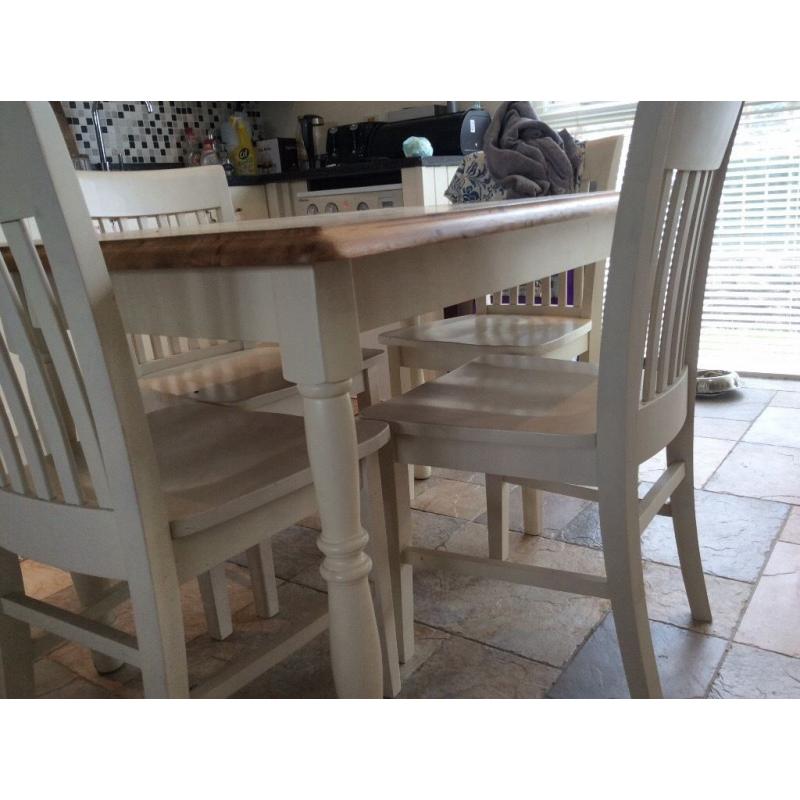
x=241 y=377
x=503 y=399
x=523 y=334
x=227 y=379
x=218 y=462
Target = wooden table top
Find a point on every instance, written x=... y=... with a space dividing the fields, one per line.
x=333 y=237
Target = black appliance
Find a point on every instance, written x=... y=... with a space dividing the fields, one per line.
x=450 y=134
x=348 y=143
x=453 y=134
x=310 y=130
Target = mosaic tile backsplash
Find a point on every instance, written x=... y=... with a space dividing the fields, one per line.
x=144 y=138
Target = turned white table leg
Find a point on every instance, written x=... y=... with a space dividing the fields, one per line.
x=321 y=352
x=355 y=646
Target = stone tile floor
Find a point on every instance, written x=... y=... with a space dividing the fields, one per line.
x=481 y=638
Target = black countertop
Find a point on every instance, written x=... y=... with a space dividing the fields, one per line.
x=373 y=167
x=378 y=170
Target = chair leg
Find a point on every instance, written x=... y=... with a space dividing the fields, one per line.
x=417 y=378
x=216 y=602
x=374 y=387
x=497 y=491
x=532 y=511
x=619 y=527
x=160 y=634
x=684 y=523
x=397 y=514
x=262 y=579
x=90 y=589
x=380 y=577
x=16 y=646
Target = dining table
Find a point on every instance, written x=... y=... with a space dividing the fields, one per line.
x=314 y=285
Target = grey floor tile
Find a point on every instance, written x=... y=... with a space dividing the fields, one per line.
x=773 y=384
x=295 y=550
x=558 y=510
x=760 y=470
x=744 y=404
x=307 y=673
x=787 y=399
x=791 y=530
x=719 y=428
x=667 y=602
x=776 y=425
x=457 y=475
x=736 y=534
x=50 y=676
x=772 y=620
x=686 y=663
x=80 y=689
x=43 y=581
x=709 y=453
x=451 y=498
x=433 y=530
x=748 y=672
x=428 y=530
x=539 y=624
x=464 y=669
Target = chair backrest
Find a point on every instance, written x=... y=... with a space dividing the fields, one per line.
x=659 y=259
x=79 y=476
x=153 y=200
x=576 y=292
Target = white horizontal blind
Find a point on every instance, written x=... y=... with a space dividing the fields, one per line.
x=751 y=317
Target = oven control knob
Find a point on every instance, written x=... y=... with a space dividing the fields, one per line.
x=331 y=208
x=362 y=206
x=312 y=209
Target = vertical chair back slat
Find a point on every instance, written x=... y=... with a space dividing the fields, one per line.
x=22 y=340
x=26 y=445
x=679 y=350
x=670 y=204
x=161 y=199
x=552 y=295
x=677 y=269
x=55 y=338
x=659 y=261
x=78 y=417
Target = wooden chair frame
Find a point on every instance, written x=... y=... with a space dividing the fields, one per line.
x=547 y=298
x=644 y=394
x=80 y=481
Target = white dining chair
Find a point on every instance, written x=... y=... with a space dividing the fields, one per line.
x=248 y=375
x=583 y=429
x=136 y=503
x=558 y=317
x=212 y=371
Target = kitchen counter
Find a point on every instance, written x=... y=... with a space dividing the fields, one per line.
x=341 y=172
x=382 y=170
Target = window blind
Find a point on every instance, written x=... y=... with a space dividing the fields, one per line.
x=751 y=316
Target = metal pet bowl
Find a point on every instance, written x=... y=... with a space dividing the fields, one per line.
x=713 y=382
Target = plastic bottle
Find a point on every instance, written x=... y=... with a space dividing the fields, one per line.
x=209 y=154
x=243 y=155
x=191 y=147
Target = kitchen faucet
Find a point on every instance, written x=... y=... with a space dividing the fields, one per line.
x=104 y=165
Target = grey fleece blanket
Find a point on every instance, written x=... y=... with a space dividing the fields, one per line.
x=526 y=156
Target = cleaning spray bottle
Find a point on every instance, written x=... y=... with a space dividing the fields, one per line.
x=243 y=154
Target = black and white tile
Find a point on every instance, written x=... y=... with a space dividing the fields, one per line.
x=140 y=137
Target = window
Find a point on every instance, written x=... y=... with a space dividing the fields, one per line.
x=751 y=317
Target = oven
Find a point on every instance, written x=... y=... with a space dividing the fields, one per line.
x=356 y=198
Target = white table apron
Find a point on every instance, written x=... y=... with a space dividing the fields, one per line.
x=315 y=312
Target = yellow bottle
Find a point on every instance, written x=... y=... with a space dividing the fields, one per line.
x=243 y=155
